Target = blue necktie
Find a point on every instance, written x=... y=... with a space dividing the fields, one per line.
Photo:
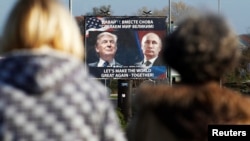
x=147 y=63
x=105 y=64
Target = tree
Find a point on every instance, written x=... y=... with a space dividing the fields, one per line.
x=248 y=30
x=240 y=73
x=104 y=10
x=237 y=78
x=80 y=21
x=178 y=11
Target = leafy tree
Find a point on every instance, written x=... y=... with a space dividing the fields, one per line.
x=244 y=64
x=245 y=60
x=113 y=86
x=241 y=73
x=236 y=78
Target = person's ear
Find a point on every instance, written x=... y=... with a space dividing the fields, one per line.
x=96 y=49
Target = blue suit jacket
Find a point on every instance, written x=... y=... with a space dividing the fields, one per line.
x=157 y=62
x=94 y=64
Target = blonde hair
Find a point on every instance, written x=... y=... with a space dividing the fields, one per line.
x=99 y=36
x=33 y=24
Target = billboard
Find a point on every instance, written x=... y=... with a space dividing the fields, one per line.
x=125 y=47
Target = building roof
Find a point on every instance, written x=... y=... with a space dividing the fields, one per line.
x=244 y=40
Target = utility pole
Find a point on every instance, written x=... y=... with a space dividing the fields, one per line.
x=70 y=6
x=218 y=6
x=221 y=83
x=169 y=31
x=169 y=14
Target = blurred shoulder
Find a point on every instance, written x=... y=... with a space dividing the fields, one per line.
x=186 y=94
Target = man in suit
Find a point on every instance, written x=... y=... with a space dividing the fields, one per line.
x=151 y=46
x=106 y=47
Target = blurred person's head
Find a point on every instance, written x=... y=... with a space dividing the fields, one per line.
x=151 y=45
x=202 y=48
x=106 y=46
x=41 y=24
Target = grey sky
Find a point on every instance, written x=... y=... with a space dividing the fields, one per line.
x=236 y=11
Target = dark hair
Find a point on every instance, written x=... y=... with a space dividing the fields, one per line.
x=202 y=48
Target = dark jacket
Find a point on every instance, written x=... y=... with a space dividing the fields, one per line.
x=157 y=62
x=94 y=64
x=183 y=112
x=51 y=97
